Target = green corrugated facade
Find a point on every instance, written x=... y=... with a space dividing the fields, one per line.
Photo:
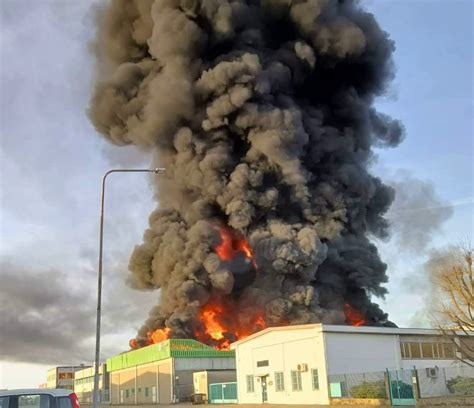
x=175 y=348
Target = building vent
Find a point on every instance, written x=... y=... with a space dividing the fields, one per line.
x=302 y=367
x=432 y=372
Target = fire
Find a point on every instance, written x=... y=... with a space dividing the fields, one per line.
x=133 y=344
x=353 y=316
x=221 y=325
x=159 y=335
x=231 y=244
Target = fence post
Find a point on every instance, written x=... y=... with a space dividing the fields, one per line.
x=448 y=392
x=416 y=382
x=388 y=389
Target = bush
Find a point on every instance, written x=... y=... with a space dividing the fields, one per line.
x=369 y=389
x=461 y=385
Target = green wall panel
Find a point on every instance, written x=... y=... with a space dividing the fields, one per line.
x=177 y=348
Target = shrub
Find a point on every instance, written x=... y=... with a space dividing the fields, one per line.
x=369 y=389
x=461 y=385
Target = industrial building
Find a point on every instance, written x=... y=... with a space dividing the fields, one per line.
x=63 y=376
x=162 y=373
x=84 y=384
x=295 y=364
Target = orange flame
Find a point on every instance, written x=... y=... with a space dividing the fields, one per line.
x=354 y=317
x=231 y=244
x=220 y=326
x=159 y=335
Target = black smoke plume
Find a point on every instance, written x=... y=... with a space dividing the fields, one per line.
x=262 y=112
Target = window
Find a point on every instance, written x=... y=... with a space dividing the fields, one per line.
x=64 y=403
x=296 y=380
x=448 y=349
x=146 y=391
x=127 y=394
x=33 y=401
x=279 y=382
x=427 y=350
x=402 y=351
x=315 y=378
x=262 y=363
x=121 y=396
x=415 y=350
x=153 y=393
x=436 y=350
x=250 y=387
x=4 y=402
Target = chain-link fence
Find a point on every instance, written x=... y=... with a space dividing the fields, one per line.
x=359 y=385
x=445 y=382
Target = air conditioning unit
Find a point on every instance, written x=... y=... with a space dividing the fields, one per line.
x=302 y=367
x=432 y=372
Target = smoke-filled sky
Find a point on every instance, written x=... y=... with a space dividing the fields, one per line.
x=52 y=160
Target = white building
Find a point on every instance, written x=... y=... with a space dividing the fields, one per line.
x=63 y=376
x=291 y=364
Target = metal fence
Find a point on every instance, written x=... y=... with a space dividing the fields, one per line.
x=359 y=385
x=445 y=382
x=417 y=382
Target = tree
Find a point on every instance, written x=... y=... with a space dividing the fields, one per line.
x=454 y=310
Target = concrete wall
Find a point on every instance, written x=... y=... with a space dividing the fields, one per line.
x=84 y=383
x=357 y=353
x=147 y=383
x=284 y=350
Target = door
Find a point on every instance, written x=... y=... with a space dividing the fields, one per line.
x=264 y=389
x=401 y=387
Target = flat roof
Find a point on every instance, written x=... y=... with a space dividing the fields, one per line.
x=331 y=328
x=171 y=348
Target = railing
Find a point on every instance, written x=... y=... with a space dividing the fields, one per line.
x=446 y=382
x=456 y=381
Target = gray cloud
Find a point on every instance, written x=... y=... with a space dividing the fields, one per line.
x=44 y=316
x=48 y=316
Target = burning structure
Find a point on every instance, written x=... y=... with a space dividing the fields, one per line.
x=262 y=113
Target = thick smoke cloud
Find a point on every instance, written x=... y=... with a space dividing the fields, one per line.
x=417 y=214
x=262 y=112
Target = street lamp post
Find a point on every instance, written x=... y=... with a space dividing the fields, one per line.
x=96 y=398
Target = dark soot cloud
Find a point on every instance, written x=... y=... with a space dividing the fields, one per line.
x=262 y=112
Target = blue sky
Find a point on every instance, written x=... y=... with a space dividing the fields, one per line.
x=51 y=162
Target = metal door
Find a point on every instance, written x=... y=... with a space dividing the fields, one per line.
x=264 y=389
x=401 y=387
x=223 y=393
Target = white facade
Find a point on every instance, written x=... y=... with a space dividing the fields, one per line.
x=291 y=364
x=62 y=377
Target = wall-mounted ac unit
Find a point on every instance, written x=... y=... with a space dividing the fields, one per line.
x=432 y=372
x=302 y=367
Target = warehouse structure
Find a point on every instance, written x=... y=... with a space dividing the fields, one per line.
x=62 y=376
x=84 y=384
x=296 y=364
x=162 y=373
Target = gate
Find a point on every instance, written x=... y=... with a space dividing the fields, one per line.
x=223 y=393
x=401 y=387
